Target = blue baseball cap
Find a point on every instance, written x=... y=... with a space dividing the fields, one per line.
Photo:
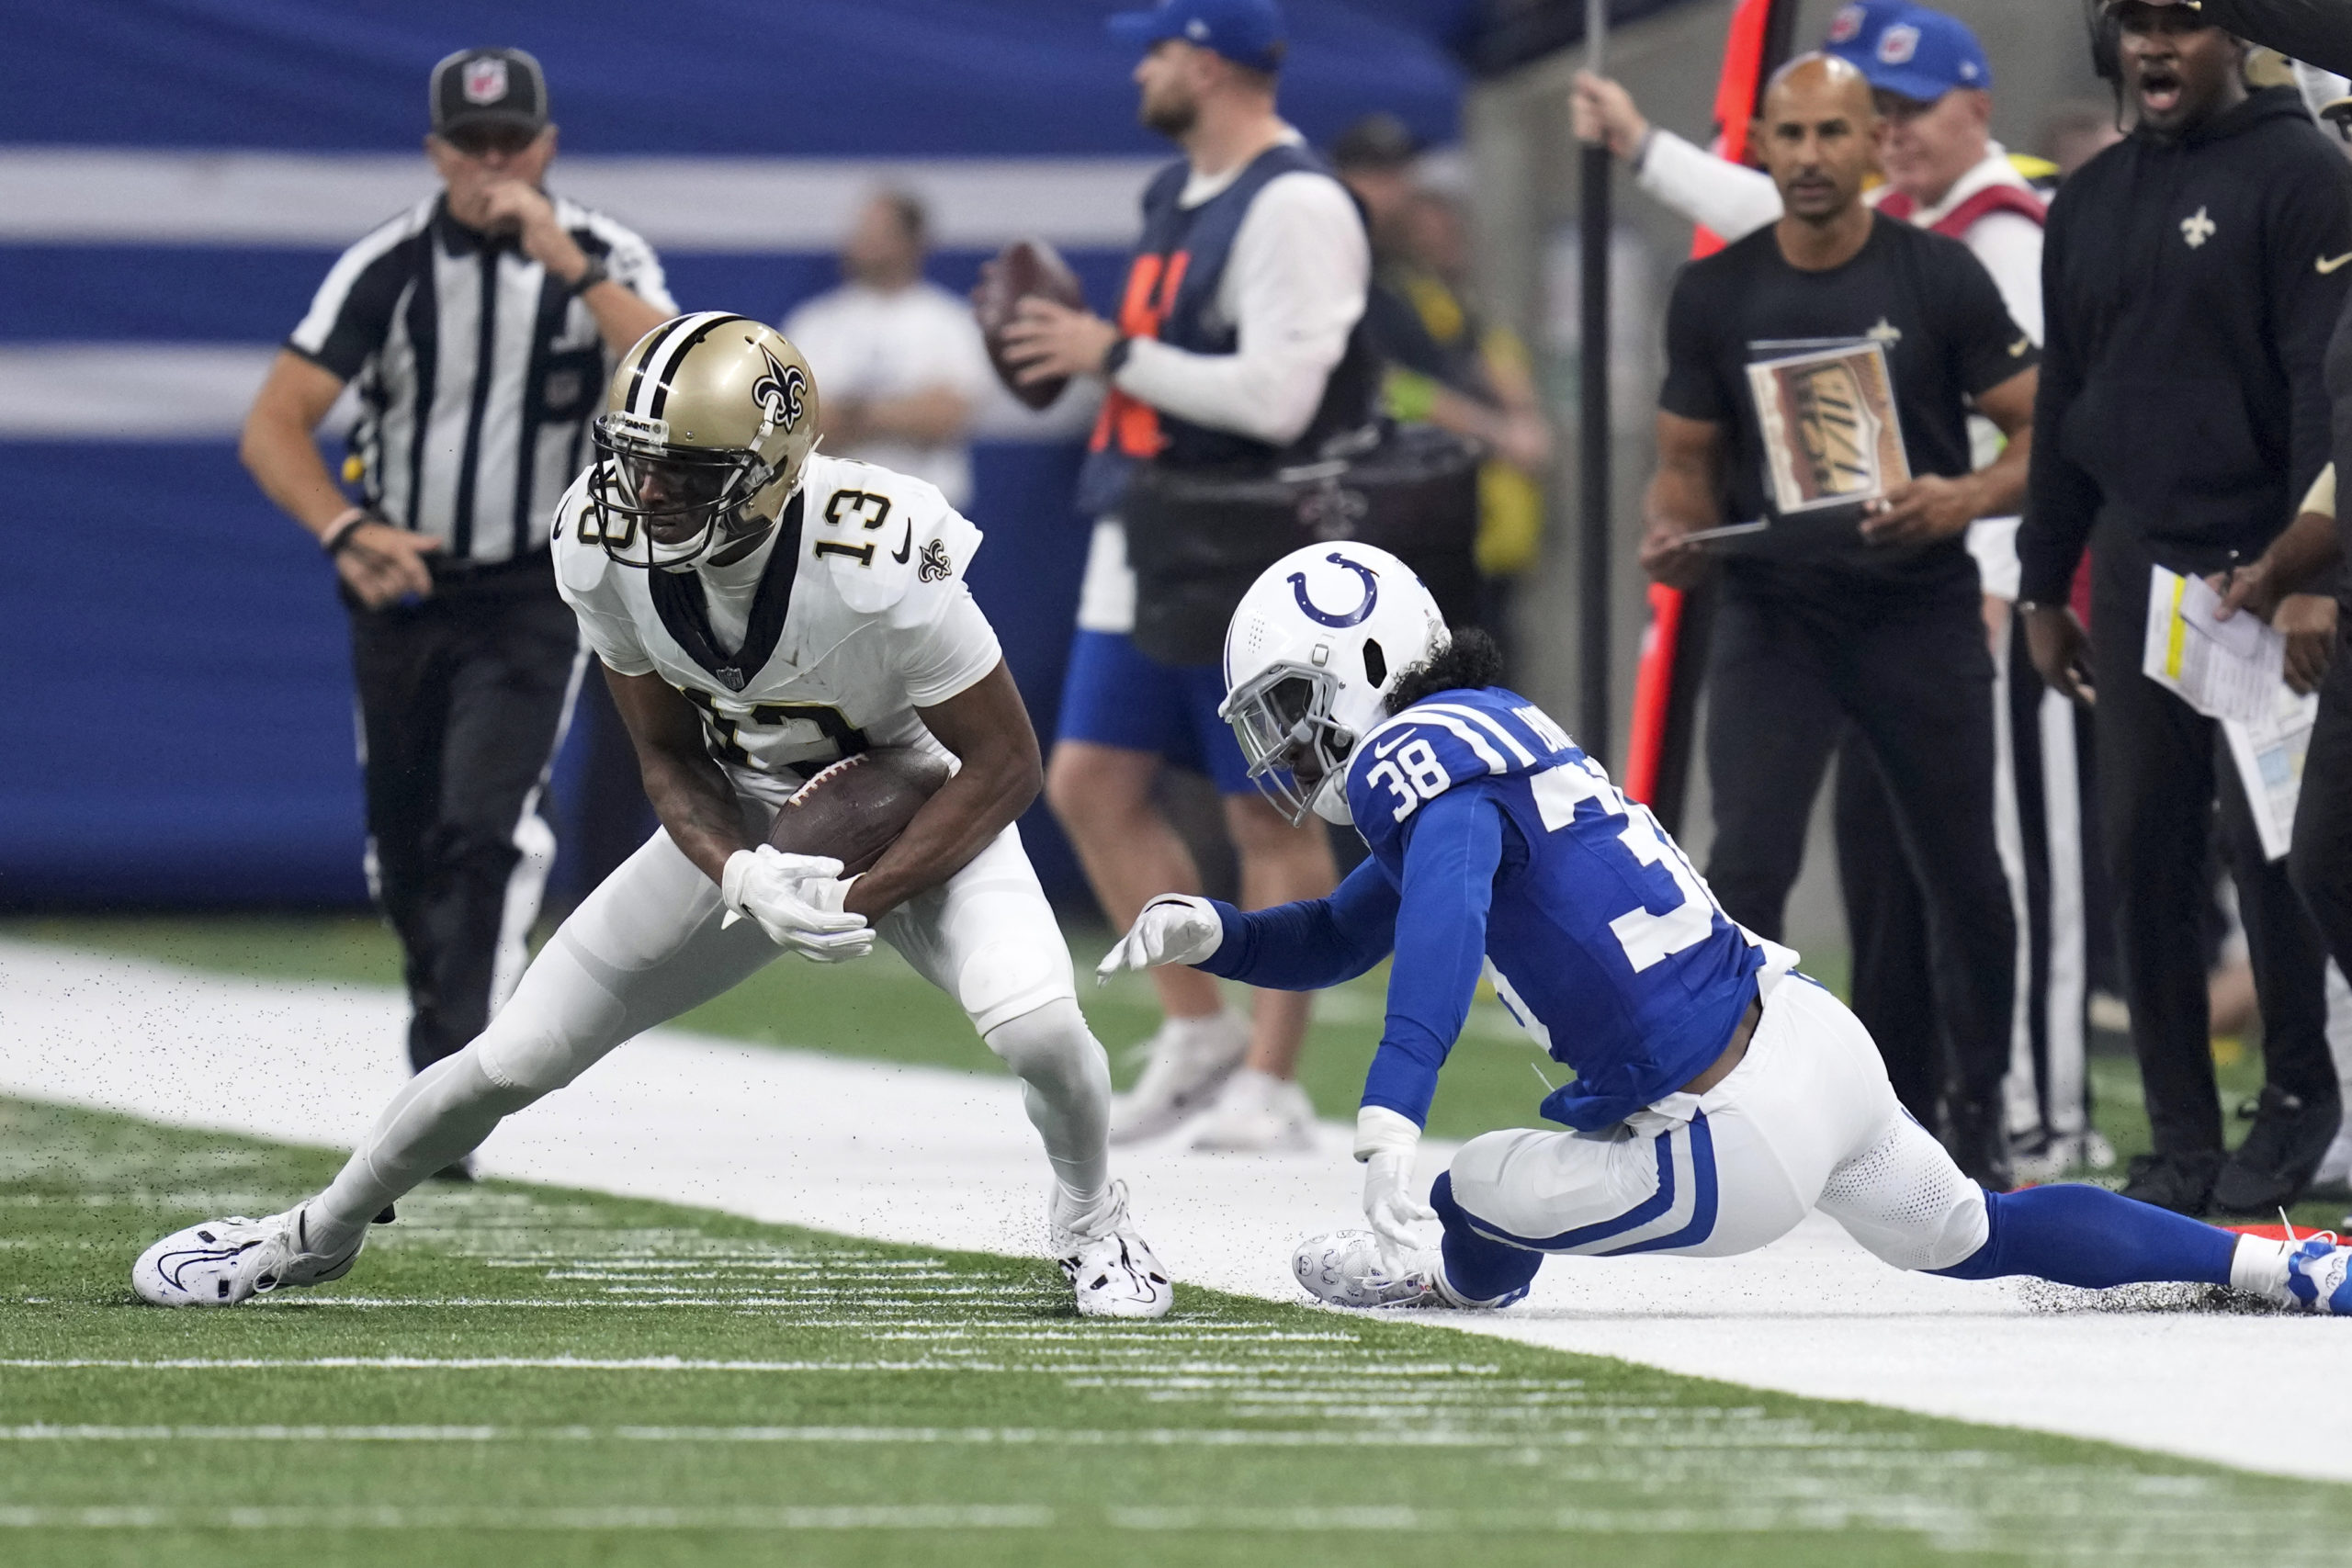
x=1908 y=50
x=1248 y=32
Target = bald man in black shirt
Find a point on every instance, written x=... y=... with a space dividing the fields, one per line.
x=1867 y=614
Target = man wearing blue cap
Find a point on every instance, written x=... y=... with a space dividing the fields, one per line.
x=1933 y=88
x=1931 y=85
x=1239 y=349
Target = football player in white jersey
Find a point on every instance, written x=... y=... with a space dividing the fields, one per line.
x=762 y=611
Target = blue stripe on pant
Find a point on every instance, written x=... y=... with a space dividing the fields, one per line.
x=1486 y=1263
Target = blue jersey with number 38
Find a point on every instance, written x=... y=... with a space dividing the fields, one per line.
x=1493 y=838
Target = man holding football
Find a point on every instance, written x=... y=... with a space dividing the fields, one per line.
x=761 y=613
x=1719 y=1096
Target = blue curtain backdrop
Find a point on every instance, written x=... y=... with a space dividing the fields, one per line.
x=176 y=716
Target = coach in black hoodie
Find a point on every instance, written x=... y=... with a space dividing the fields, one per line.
x=2191 y=275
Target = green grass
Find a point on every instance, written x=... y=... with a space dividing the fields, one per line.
x=889 y=1405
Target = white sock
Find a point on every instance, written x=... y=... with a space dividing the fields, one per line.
x=2259 y=1267
x=439 y=1116
x=1066 y=1087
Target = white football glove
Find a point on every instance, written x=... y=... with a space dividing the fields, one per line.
x=1174 y=927
x=1387 y=1142
x=797 y=899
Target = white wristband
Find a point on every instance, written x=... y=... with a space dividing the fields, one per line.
x=731 y=880
x=1382 y=1131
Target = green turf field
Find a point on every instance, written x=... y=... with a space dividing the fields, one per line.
x=879 y=1007
x=524 y=1376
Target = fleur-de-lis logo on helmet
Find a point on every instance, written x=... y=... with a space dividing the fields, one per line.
x=781 y=393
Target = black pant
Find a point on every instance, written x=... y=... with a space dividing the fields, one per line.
x=1911 y=674
x=2160 y=765
x=462 y=698
x=1886 y=914
x=2321 y=861
x=1886 y=921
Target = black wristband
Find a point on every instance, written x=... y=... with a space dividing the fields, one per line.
x=338 y=539
x=1116 y=360
x=590 y=275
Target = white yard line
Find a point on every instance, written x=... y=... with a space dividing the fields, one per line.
x=941 y=1158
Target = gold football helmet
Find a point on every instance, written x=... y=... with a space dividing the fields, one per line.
x=706 y=426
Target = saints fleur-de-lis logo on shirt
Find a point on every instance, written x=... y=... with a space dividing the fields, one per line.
x=2198 y=228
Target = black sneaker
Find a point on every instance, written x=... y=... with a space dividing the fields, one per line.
x=2281 y=1155
x=2181 y=1182
x=1978 y=1137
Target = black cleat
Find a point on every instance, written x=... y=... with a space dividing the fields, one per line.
x=2281 y=1155
x=2181 y=1182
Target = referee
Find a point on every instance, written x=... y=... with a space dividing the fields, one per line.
x=480 y=328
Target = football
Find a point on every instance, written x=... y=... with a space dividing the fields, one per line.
x=1023 y=268
x=856 y=808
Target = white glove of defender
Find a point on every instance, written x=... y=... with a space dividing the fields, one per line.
x=1387 y=1142
x=797 y=899
x=1174 y=927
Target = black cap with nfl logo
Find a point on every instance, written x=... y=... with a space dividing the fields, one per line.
x=483 y=86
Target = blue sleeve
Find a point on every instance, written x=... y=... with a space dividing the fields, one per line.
x=1312 y=943
x=1451 y=854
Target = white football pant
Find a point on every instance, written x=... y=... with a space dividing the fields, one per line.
x=1806 y=1121
x=648 y=944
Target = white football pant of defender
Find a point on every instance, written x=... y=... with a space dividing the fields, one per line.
x=1797 y=1114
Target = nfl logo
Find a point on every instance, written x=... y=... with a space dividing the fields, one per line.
x=485 y=81
x=1898 y=44
x=1847 y=26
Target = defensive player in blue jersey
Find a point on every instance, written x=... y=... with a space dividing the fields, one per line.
x=1718 y=1094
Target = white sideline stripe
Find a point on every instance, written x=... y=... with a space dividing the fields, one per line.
x=189 y=391
x=391 y=1516
x=76 y=196
x=936 y=1159
x=973 y=1437
x=145 y=392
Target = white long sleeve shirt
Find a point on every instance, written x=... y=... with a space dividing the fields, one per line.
x=1294 y=287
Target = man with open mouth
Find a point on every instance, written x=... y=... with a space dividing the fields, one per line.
x=2191 y=275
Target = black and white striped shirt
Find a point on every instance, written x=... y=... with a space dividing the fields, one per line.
x=477 y=372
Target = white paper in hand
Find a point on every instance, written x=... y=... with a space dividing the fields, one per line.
x=2234 y=669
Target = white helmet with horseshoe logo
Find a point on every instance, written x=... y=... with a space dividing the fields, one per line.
x=1311 y=654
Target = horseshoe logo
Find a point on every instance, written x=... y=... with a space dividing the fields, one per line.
x=1351 y=617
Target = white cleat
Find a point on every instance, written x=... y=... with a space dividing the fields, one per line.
x=1344 y=1269
x=1109 y=1267
x=224 y=1262
x=1258 y=1113
x=2318 y=1276
x=1191 y=1058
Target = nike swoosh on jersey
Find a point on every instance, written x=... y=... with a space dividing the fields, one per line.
x=905 y=545
x=2016 y=349
x=2329 y=264
x=1399 y=740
